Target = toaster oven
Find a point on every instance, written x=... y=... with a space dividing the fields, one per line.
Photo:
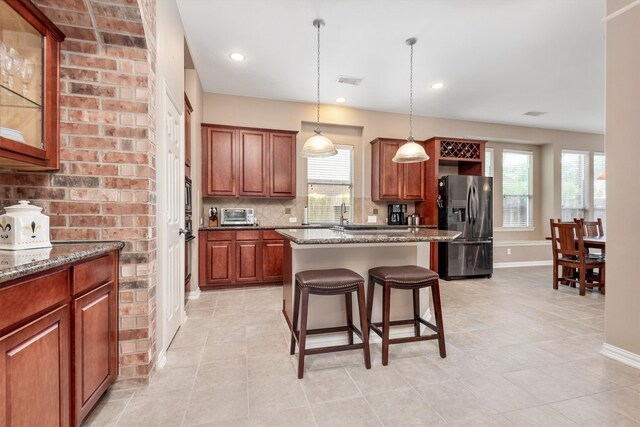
x=237 y=216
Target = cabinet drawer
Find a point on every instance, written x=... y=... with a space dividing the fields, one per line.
x=248 y=235
x=271 y=235
x=28 y=298
x=93 y=273
x=219 y=235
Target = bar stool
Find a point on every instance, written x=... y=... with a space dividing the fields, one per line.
x=335 y=281
x=405 y=277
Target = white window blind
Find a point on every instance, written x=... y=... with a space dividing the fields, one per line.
x=329 y=184
x=488 y=162
x=516 y=189
x=599 y=190
x=574 y=184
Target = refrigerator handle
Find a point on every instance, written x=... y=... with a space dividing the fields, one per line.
x=468 y=210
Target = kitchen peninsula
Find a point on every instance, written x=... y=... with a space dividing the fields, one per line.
x=359 y=249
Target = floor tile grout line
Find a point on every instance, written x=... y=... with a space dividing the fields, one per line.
x=375 y=414
x=125 y=408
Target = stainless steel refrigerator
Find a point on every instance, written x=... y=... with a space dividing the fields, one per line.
x=465 y=204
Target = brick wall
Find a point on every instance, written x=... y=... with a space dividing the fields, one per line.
x=105 y=188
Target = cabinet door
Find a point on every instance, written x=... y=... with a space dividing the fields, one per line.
x=34 y=372
x=220 y=262
x=253 y=163
x=272 y=254
x=390 y=176
x=218 y=162
x=413 y=185
x=95 y=346
x=282 y=169
x=247 y=261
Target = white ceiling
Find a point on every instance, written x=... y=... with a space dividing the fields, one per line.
x=497 y=58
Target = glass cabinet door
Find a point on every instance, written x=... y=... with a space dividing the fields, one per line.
x=21 y=79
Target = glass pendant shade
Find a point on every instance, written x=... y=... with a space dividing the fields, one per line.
x=410 y=152
x=601 y=176
x=318 y=146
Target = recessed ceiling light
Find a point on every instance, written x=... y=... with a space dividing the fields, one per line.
x=438 y=85
x=341 y=100
x=237 y=56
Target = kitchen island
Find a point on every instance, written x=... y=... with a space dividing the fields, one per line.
x=359 y=250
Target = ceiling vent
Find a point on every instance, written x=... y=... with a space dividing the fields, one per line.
x=354 y=81
x=535 y=113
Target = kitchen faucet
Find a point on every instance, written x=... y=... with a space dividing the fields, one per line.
x=343 y=210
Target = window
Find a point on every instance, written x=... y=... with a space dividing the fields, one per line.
x=329 y=184
x=599 y=192
x=574 y=184
x=516 y=189
x=488 y=162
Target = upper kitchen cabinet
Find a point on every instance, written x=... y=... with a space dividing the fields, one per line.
x=29 y=88
x=246 y=162
x=394 y=181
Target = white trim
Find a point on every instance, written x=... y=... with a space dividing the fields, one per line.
x=504 y=229
x=522 y=243
x=621 y=355
x=522 y=264
x=194 y=294
x=621 y=11
x=162 y=359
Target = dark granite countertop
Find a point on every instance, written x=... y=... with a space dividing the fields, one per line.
x=16 y=264
x=294 y=227
x=326 y=236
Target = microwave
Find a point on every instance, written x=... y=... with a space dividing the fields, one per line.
x=237 y=216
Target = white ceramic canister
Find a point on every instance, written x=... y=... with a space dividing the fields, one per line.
x=24 y=226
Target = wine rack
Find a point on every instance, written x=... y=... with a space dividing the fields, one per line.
x=460 y=150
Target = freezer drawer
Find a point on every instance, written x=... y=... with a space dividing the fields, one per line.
x=460 y=259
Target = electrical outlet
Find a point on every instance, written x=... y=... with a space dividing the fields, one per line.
x=293 y=219
x=372 y=219
x=508 y=251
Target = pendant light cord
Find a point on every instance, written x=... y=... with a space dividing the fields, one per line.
x=318 y=85
x=411 y=94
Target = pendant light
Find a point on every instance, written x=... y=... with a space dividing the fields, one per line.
x=410 y=151
x=318 y=145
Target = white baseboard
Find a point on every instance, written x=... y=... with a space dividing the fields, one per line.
x=522 y=264
x=621 y=355
x=194 y=294
x=162 y=359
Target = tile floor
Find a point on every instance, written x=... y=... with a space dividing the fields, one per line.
x=519 y=354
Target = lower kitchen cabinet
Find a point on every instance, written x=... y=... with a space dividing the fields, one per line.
x=240 y=258
x=59 y=343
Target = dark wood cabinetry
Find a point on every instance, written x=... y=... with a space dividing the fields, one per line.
x=187 y=136
x=248 y=162
x=459 y=156
x=59 y=343
x=30 y=107
x=394 y=181
x=237 y=258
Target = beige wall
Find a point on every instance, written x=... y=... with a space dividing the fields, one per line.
x=622 y=310
x=257 y=112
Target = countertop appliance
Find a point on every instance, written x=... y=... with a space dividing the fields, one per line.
x=237 y=216
x=396 y=214
x=465 y=204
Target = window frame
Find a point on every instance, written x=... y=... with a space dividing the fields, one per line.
x=595 y=174
x=351 y=210
x=489 y=153
x=585 y=196
x=529 y=225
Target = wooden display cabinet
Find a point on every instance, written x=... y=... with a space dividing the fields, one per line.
x=465 y=155
x=29 y=88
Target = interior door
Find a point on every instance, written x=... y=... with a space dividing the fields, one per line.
x=172 y=243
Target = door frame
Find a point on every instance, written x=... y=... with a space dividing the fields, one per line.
x=162 y=339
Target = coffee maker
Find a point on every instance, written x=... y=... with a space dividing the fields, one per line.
x=396 y=214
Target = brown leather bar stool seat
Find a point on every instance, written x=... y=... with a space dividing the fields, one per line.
x=405 y=277
x=335 y=281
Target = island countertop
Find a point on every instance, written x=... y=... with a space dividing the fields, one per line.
x=326 y=236
x=17 y=264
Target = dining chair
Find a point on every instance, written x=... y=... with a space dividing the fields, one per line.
x=592 y=229
x=569 y=253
